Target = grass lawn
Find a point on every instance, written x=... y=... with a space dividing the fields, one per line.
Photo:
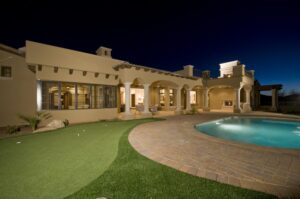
x=99 y=162
x=58 y=163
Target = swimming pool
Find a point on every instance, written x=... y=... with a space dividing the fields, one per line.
x=259 y=131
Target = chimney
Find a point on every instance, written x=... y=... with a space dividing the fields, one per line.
x=206 y=74
x=104 y=52
x=188 y=70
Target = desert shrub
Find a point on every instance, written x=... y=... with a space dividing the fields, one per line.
x=12 y=129
x=35 y=120
x=66 y=122
x=194 y=110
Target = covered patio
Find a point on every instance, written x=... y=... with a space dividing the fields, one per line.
x=144 y=92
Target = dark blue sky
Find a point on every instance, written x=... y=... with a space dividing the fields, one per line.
x=264 y=35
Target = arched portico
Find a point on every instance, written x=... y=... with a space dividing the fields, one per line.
x=163 y=95
x=227 y=98
x=220 y=98
x=196 y=97
x=134 y=95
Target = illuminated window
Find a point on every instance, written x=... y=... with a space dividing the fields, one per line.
x=162 y=96
x=6 y=71
x=228 y=103
x=83 y=96
x=63 y=95
x=172 y=97
x=67 y=95
x=110 y=96
x=193 y=97
x=50 y=95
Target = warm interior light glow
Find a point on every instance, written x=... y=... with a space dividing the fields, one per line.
x=193 y=97
x=39 y=96
x=137 y=93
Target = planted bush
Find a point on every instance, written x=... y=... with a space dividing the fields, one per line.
x=66 y=122
x=194 y=110
x=12 y=129
x=35 y=120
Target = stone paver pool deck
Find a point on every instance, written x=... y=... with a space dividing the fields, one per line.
x=174 y=142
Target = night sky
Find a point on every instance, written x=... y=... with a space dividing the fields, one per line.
x=264 y=35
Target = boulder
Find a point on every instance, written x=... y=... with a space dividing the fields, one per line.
x=56 y=124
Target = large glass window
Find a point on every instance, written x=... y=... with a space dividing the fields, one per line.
x=162 y=96
x=50 y=95
x=193 y=97
x=6 y=71
x=101 y=96
x=97 y=96
x=65 y=95
x=172 y=97
x=110 y=96
x=83 y=96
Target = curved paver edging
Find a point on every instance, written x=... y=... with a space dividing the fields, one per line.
x=174 y=142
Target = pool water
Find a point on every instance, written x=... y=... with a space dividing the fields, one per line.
x=259 y=131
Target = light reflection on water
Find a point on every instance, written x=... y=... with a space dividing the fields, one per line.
x=264 y=132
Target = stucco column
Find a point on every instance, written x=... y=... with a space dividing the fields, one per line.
x=188 y=99
x=39 y=95
x=146 y=98
x=247 y=104
x=274 y=99
x=157 y=100
x=237 y=107
x=178 y=99
x=197 y=98
x=248 y=96
x=167 y=98
x=205 y=100
x=127 y=97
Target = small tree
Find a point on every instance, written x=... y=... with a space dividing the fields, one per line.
x=35 y=120
x=194 y=110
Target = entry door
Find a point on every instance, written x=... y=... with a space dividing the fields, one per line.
x=132 y=100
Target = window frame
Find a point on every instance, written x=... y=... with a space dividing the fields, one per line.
x=11 y=72
x=227 y=106
x=162 y=96
x=103 y=106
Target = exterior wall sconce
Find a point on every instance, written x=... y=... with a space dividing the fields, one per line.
x=107 y=76
x=55 y=69
x=71 y=71
x=40 y=67
x=116 y=77
x=96 y=74
x=84 y=73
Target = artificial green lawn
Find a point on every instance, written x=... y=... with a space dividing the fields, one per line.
x=56 y=164
x=59 y=163
x=132 y=175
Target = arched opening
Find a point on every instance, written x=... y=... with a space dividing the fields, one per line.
x=186 y=97
x=221 y=99
x=163 y=95
x=196 y=96
x=136 y=96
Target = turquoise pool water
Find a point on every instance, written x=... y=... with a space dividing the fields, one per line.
x=259 y=131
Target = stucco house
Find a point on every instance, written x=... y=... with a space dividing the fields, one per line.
x=83 y=87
